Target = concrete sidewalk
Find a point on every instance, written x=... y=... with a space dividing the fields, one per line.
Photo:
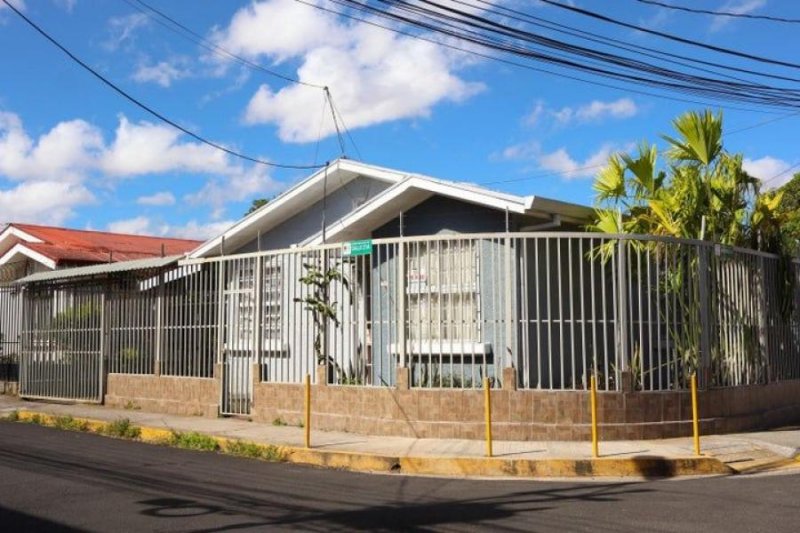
x=721 y=453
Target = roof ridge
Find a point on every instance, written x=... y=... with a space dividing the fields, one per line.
x=22 y=225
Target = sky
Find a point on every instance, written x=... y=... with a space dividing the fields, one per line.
x=75 y=153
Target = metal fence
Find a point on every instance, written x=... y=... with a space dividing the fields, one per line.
x=10 y=331
x=454 y=309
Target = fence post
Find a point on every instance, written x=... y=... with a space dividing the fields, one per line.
x=159 y=348
x=763 y=318
x=622 y=310
x=487 y=411
x=704 y=294
x=695 y=422
x=401 y=300
x=509 y=307
x=307 y=411
x=103 y=343
x=593 y=405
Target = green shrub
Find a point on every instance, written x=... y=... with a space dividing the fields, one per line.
x=70 y=424
x=194 y=441
x=122 y=428
x=36 y=419
x=279 y=422
x=253 y=451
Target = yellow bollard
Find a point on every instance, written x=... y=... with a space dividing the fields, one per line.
x=307 y=422
x=487 y=402
x=695 y=418
x=593 y=400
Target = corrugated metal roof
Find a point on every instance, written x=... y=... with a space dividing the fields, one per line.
x=86 y=246
x=100 y=270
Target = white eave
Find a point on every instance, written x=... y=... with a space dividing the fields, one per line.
x=406 y=191
x=292 y=201
x=19 y=251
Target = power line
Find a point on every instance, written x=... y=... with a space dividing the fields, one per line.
x=670 y=36
x=149 y=109
x=487 y=33
x=473 y=52
x=718 y=13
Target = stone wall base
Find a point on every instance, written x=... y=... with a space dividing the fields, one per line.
x=164 y=394
x=525 y=414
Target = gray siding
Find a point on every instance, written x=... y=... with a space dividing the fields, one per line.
x=308 y=222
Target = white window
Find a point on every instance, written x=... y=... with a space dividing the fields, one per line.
x=443 y=291
x=241 y=301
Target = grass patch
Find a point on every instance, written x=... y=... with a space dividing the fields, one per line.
x=36 y=419
x=279 y=422
x=193 y=441
x=13 y=416
x=70 y=424
x=253 y=451
x=122 y=428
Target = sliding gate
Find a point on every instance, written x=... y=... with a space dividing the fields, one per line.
x=62 y=344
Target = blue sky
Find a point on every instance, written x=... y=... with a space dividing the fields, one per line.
x=74 y=153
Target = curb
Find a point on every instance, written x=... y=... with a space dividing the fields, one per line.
x=635 y=467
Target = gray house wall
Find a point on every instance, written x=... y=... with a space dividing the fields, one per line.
x=309 y=221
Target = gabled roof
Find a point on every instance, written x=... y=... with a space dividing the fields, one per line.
x=52 y=246
x=405 y=191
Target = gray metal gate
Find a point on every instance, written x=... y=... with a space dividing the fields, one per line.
x=239 y=330
x=62 y=344
x=10 y=330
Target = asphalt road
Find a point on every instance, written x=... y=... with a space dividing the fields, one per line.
x=52 y=480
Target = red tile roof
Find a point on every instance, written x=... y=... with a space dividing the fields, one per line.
x=64 y=245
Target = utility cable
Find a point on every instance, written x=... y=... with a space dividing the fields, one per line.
x=671 y=37
x=149 y=109
x=718 y=13
x=472 y=51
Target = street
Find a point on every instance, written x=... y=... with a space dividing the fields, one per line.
x=52 y=480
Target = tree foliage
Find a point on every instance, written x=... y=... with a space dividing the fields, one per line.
x=699 y=190
x=790 y=211
x=257 y=204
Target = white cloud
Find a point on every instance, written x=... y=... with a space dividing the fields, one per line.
x=19 y=4
x=534 y=117
x=162 y=73
x=134 y=226
x=234 y=188
x=739 y=7
x=597 y=110
x=122 y=30
x=74 y=153
x=199 y=231
x=146 y=148
x=375 y=76
x=63 y=153
x=560 y=161
x=44 y=202
x=67 y=5
x=767 y=168
x=158 y=199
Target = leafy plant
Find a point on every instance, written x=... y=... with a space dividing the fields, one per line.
x=323 y=310
x=253 y=451
x=70 y=424
x=194 y=441
x=122 y=428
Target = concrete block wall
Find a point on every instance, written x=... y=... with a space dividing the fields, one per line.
x=164 y=394
x=526 y=414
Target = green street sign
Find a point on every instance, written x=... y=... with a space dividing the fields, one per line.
x=362 y=247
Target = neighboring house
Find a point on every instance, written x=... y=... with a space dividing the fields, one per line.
x=27 y=248
x=455 y=289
